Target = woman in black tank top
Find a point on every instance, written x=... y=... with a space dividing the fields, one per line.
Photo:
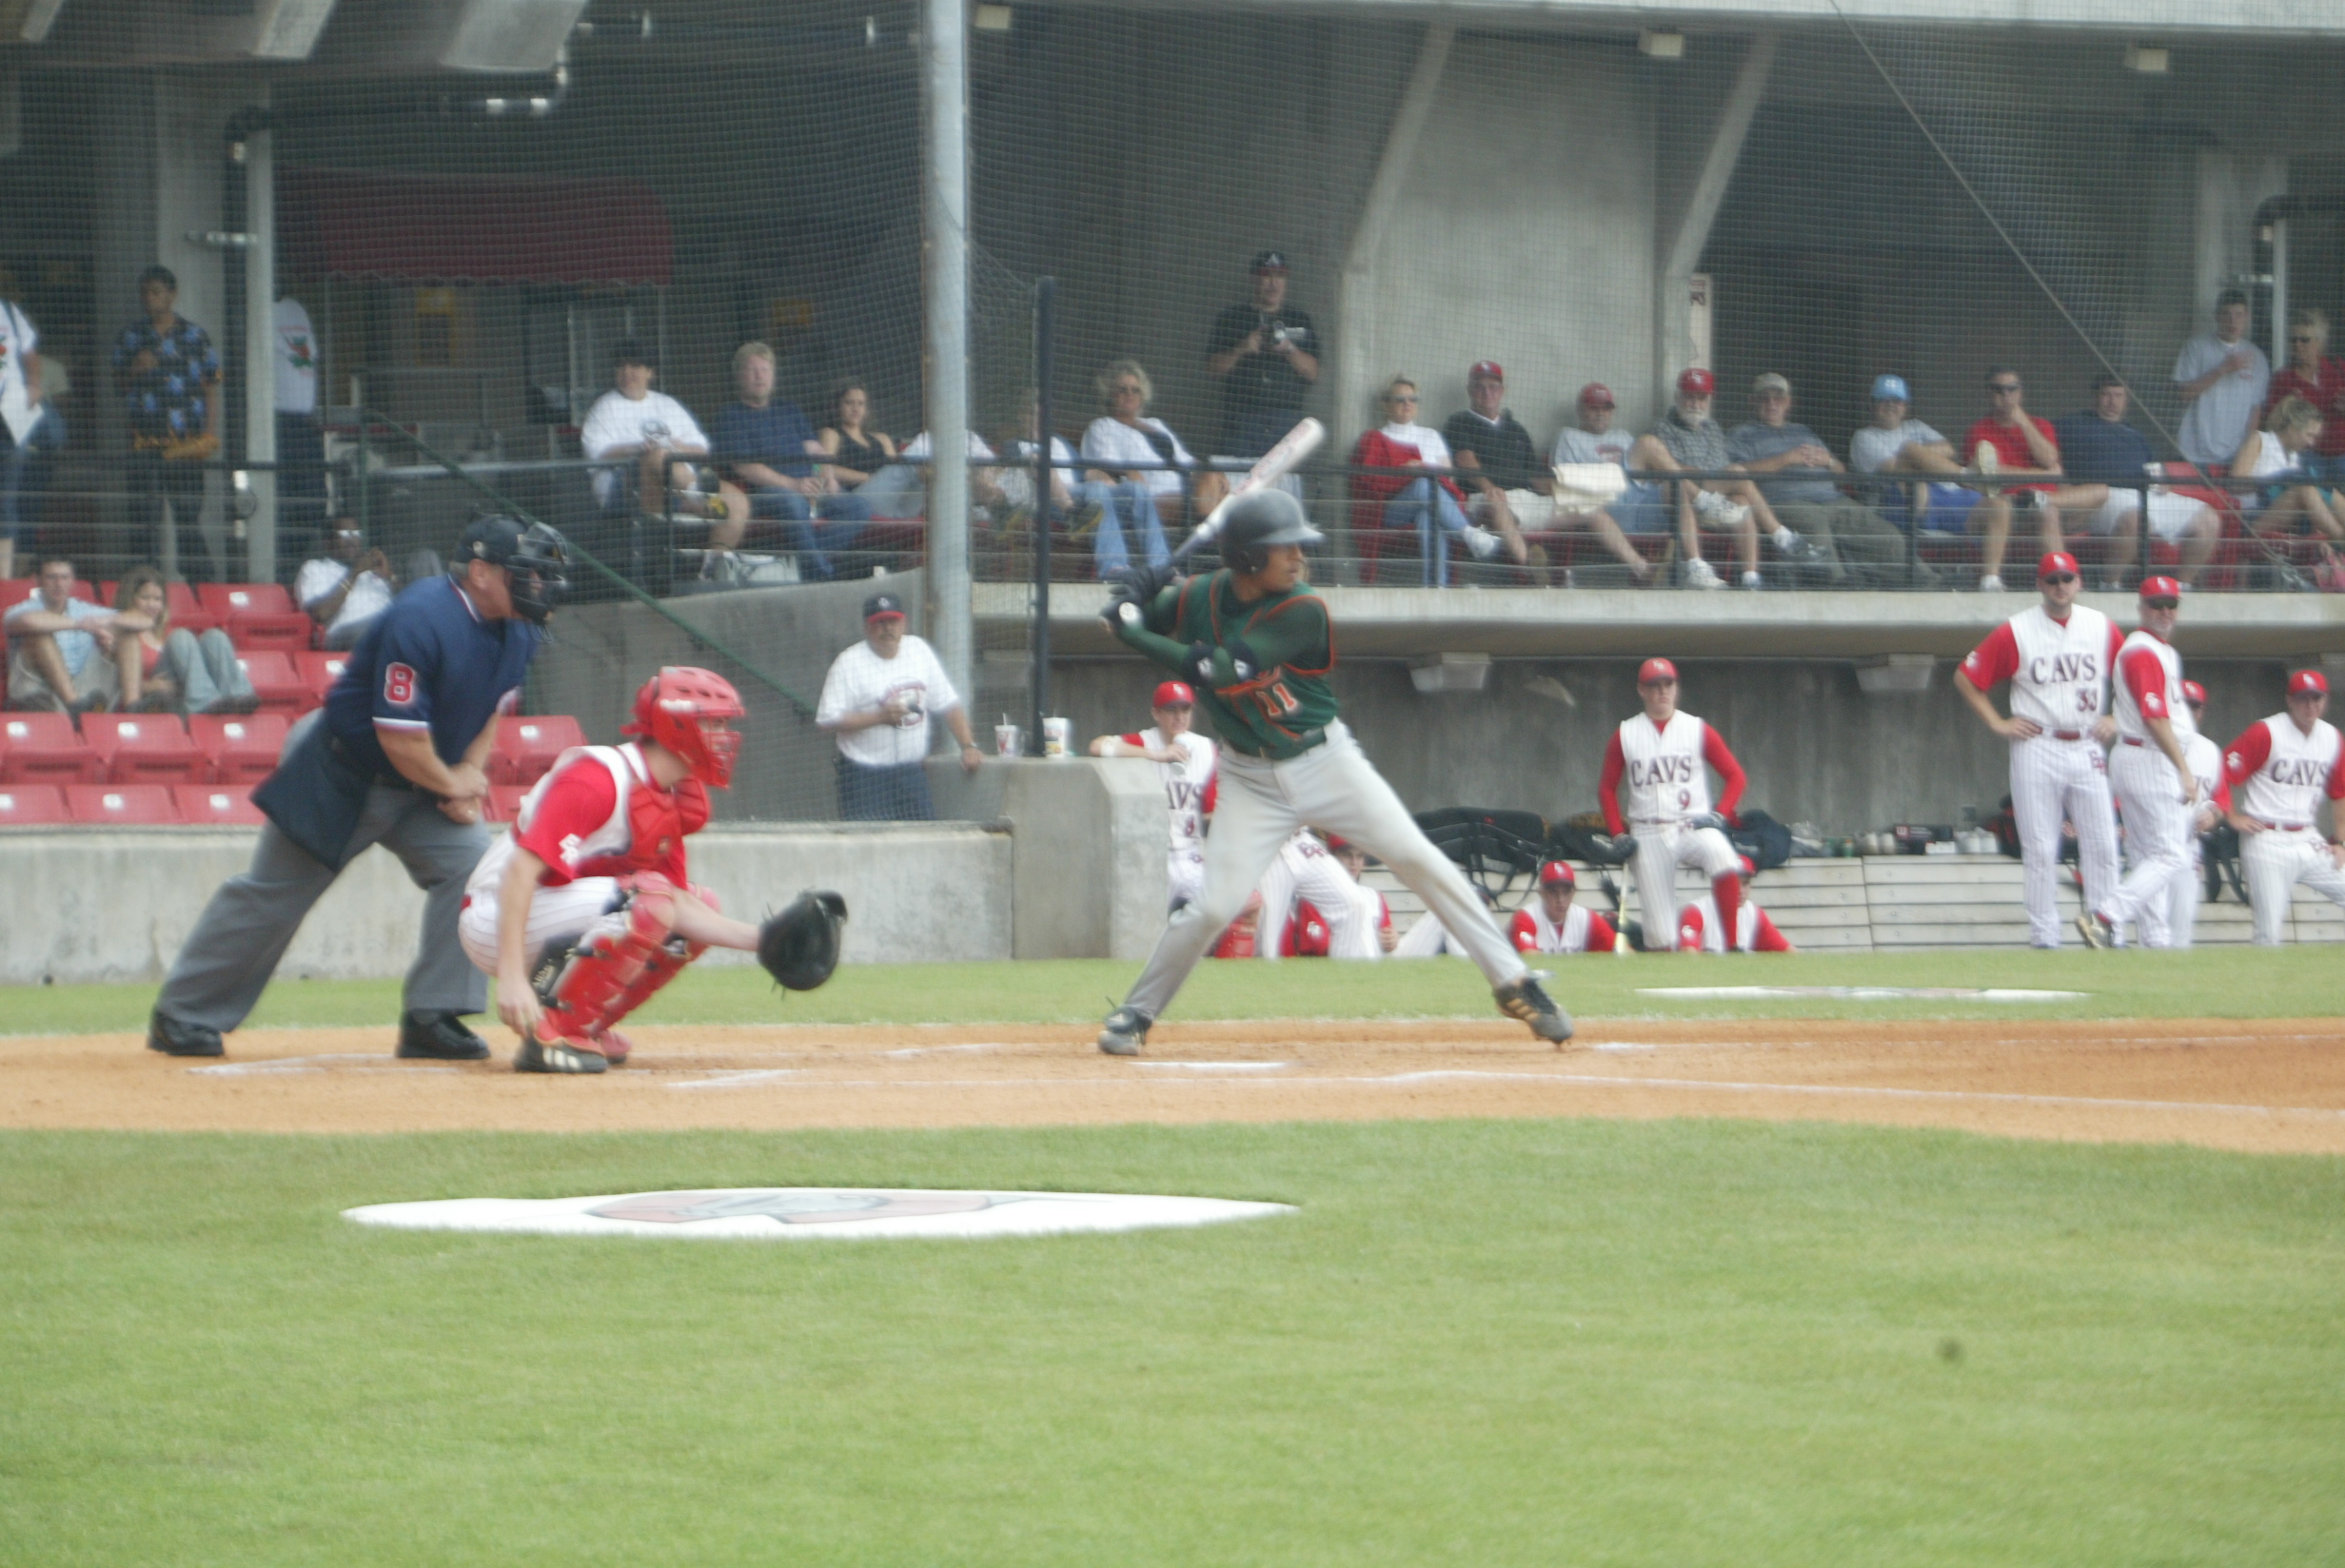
x=856 y=453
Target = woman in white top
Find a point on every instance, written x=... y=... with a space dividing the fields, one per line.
x=1143 y=500
x=2279 y=449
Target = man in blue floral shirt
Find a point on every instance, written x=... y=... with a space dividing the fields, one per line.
x=168 y=372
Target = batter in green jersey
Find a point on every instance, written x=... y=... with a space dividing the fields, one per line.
x=1256 y=645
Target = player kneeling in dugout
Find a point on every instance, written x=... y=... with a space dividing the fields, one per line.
x=586 y=907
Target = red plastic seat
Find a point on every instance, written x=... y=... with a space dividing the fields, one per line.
x=504 y=801
x=144 y=805
x=44 y=749
x=143 y=749
x=276 y=683
x=320 y=670
x=188 y=612
x=32 y=805
x=14 y=591
x=239 y=747
x=526 y=747
x=258 y=614
x=228 y=805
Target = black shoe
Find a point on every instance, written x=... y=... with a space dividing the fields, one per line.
x=1126 y=1032
x=439 y=1037
x=1528 y=1001
x=561 y=1056
x=173 y=1038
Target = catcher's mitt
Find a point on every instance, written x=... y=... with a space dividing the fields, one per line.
x=800 y=947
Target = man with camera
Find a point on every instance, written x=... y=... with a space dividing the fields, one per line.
x=1266 y=355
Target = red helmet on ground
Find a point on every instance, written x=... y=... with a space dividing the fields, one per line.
x=686 y=709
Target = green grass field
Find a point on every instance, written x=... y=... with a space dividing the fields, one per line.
x=2206 y=982
x=1477 y=1342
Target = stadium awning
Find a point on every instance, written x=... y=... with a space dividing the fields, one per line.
x=449 y=229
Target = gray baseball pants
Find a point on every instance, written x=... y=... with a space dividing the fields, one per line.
x=1331 y=786
x=234 y=949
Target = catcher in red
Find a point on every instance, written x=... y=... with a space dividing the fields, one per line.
x=584 y=908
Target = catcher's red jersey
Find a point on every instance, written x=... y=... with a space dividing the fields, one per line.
x=598 y=812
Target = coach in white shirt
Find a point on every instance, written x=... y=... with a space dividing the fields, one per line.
x=878 y=699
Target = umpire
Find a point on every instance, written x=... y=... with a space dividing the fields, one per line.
x=394 y=758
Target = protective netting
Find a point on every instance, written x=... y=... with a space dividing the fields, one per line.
x=1249 y=219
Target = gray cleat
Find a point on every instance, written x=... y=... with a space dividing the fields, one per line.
x=1125 y=1031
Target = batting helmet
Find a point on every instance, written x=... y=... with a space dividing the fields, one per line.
x=687 y=710
x=536 y=556
x=1259 y=520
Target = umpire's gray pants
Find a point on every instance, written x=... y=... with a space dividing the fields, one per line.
x=249 y=922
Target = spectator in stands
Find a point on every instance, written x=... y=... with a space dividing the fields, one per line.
x=345 y=589
x=169 y=378
x=1639 y=509
x=1144 y=500
x=1266 y=356
x=632 y=421
x=2276 y=453
x=1897 y=443
x=53 y=643
x=906 y=481
x=2012 y=441
x=2223 y=378
x=877 y=699
x=2098 y=447
x=768 y=445
x=1422 y=499
x=1833 y=532
x=1016 y=483
x=1506 y=488
x=20 y=412
x=2312 y=375
x=1687 y=438
x=301 y=438
x=159 y=670
x=855 y=452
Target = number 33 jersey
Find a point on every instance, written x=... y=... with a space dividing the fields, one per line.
x=2059 y=670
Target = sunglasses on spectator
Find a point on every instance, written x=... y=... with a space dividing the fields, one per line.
x=2162 y=604
x=2303 y=336
x=1127 y=390
x=2064 y=577
x=2002 y=389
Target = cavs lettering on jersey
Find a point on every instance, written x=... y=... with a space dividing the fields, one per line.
x=2149 y=685
x=1582 y=931
x=597 y=813
x=2278 y=773
x=1188 y=786
x=2059 y=670
x=1662 y=774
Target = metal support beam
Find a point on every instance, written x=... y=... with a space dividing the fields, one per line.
x=944 y=209
x=1673 y=344
x=1355 y=308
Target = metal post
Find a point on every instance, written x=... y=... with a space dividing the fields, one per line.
x=944 y=92
x=363 y=508
x=1046 y=310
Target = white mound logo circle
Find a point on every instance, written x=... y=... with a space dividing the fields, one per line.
x=784 y=1213
x=793 y=1206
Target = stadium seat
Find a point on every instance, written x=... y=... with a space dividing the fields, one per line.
x=143 y=749
x=526 y=747
x=504 y=801
x=227 y=805
x=279 y=687
x=143 y=805
x=240 y=748
x=258 y=614
x=14 y=591
x=44 y=749
x=31 y=806
x=320 y=670
x=188 y=612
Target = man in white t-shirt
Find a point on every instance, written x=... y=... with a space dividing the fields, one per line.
x=1185 y=763
x=2223 y=376
x=876 y=700
x=345 y=589
x=631 y=423
x=301 y=440
x=1895 y=443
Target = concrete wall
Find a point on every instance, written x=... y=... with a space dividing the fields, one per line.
x=1090 y=875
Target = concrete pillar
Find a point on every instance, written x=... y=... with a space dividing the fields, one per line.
x=1681 y=332
x=944 y=91
x=260 y=343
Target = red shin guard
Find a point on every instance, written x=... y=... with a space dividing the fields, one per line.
x=605 y=978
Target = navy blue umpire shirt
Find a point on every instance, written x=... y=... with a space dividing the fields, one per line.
x=429 y=662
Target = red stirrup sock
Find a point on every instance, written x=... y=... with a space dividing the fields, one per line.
x=1726 y=891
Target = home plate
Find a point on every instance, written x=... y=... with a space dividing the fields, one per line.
x=807 y=1213
x=1864 y=993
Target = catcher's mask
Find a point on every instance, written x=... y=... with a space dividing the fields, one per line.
x=534 y=557
x=689 y=711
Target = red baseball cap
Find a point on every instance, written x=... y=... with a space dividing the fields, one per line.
x=2054 y=563
x=1697 y=381
x=1486 y=370
x=1743 y=866
x=1174 y=693
x=1558 y=873
x=1655 y=669
x=1596 y=395
x=2160 y=587
x=2194 y=693
x=1338 y=841
x=2307 y=681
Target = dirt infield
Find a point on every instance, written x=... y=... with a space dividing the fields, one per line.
x=2267 y=1086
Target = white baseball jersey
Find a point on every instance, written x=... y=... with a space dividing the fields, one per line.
x=1188 y=786
x=1534 y=932
x=1663 y=777
x=2206 y=766
x=2059 y=670
x=1306 y=869
x=2163 y=698
x=2278 y=773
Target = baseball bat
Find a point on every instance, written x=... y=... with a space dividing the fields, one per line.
x=1275 y=465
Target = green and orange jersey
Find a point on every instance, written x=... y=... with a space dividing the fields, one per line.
x=1284 y=707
